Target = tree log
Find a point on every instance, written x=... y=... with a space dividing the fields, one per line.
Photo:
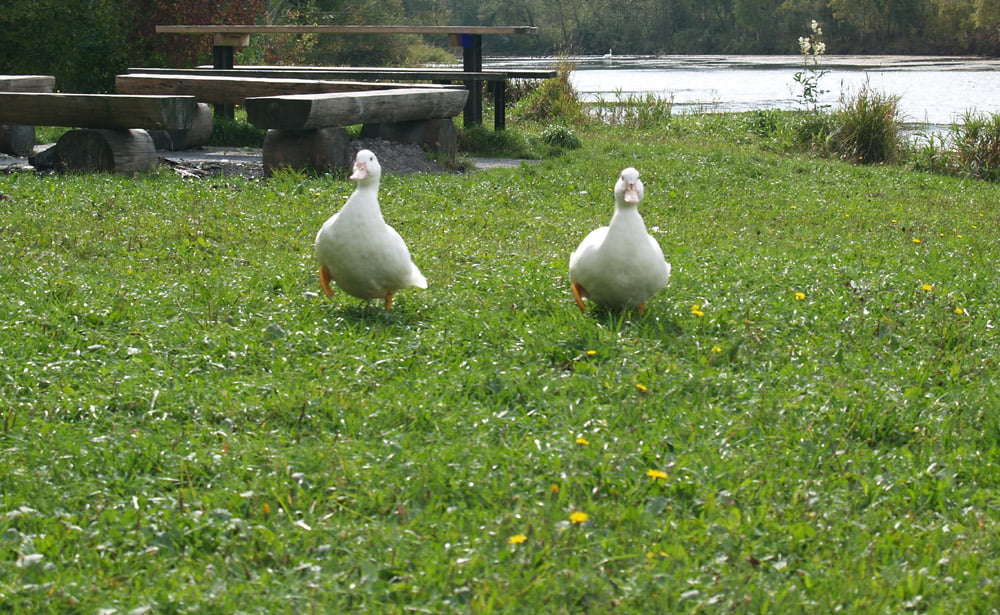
x=120 y=151
x=301 y=112
x=17 y=140
x=321 y=150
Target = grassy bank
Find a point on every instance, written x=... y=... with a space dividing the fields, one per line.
x=804 y=420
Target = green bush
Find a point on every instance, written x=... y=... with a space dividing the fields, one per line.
x=485 y=142
x=977 y=145
x=555 y=100
x=561 y=137
x=869 y=128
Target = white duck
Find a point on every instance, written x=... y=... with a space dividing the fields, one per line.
x=356 y=248
x=619 y=266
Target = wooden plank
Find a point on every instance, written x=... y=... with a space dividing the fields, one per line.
x=97 y=110
x=27 y=83
x=232 y=90
x=294 y=29
x=311 y=111
x=295 y=72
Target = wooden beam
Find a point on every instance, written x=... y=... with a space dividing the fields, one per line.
x=27 y=83
x=97 y=110
x=232 y=90
x=311 y=111
x=293 y=29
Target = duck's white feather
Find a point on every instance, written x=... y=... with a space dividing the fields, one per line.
x=620 y=266
x=366 y=257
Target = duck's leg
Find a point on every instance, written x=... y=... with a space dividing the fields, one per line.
x=642 y=308
x=578 y=293
x=388 y=301
x=324 y=280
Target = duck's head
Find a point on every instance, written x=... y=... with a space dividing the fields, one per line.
x=367 y=170
x=629 y=188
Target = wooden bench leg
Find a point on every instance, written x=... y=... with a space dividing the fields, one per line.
x=499 y=105
x=17 y=140
x=197 y=135
x=321 y=150
x=119 y=150
x=438 y=135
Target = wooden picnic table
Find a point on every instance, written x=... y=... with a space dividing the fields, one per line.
x=469 y=38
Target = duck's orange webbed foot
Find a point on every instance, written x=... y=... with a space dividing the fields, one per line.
x=324 y=280
x=388 y=301
x=578 y=293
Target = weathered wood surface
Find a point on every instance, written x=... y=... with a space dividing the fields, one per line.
x=233 y=89
x=97 y=110
x=331 y=29
x=27 y=83
x=120 y=151
x=310 y=111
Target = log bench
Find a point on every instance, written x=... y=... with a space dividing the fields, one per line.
x=468 y=38
x=19 y=140
x=496 y=78
x=111 y=129
x=306 y=131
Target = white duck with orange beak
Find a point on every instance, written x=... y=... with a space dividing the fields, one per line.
x=619 y=266
x=357 y=250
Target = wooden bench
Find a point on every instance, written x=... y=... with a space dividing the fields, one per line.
x=306 y=131
x=468 y=38
x=112 y=128
x=496 y=78
x=18 y=139
x=234 y=89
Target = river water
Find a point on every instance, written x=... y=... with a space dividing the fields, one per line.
x=932 y=90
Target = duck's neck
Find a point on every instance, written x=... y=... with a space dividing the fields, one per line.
x=364 y=200
x=626 y=220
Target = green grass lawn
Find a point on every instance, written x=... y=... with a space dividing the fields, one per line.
x=807 y=419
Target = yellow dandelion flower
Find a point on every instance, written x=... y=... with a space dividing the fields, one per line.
x=643 y=388
x=915 y=240
x=927 y=287
x=554 y=488
x=582 y=441
x=655 y=474
x=960 y=311
x=578 y=517
x=591 y=353
x=517 y=539
x=696 y=310
x=800 y=296
x=716 y=349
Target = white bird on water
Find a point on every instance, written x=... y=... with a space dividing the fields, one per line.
x=619 y=266
x=357 y=250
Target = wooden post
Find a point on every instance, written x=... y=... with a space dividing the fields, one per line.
x=222 y=58
x=472 y=61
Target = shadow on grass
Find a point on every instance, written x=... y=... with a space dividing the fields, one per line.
x=372 y=313
x=648 y=324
